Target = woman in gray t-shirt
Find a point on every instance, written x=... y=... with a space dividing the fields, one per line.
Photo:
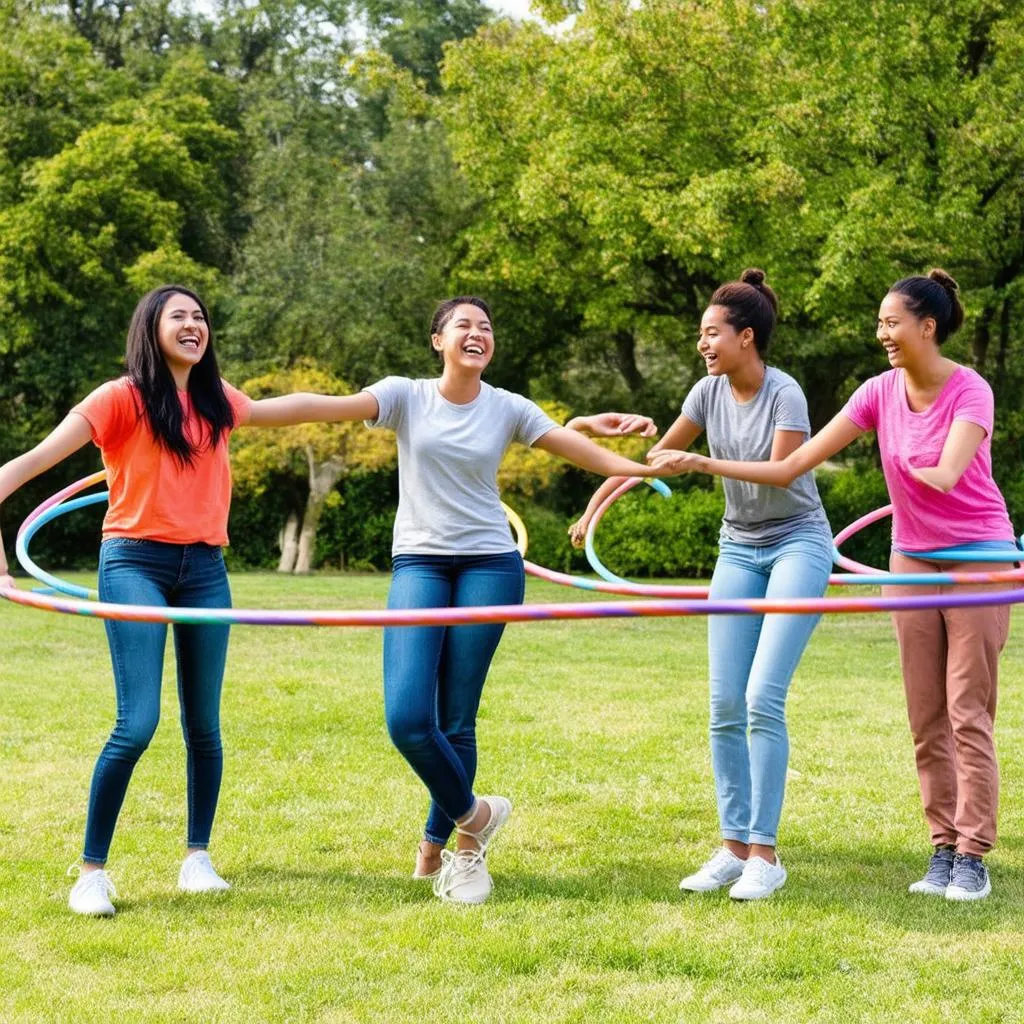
x=774 y=542
x=453 y=548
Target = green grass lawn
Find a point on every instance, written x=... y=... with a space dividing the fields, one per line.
x=597 y=732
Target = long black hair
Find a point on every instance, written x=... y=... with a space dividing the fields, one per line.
x=148 y=370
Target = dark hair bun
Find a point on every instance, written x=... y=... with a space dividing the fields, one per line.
x=952 y=289
x=751 y=303
x=947 y=282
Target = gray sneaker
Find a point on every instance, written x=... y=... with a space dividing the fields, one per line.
x=969 y=880
x=936 y=879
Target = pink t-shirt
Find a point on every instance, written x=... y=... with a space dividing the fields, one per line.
x=922 y=517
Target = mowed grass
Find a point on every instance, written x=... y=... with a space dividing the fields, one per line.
x=597 y=732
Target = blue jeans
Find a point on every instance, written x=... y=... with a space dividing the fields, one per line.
x=173 y=575
x=434 y=675
x=752 y=659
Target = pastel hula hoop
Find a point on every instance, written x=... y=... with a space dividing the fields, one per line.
x=858 y=575
x=496 y=613
x=1004 y=555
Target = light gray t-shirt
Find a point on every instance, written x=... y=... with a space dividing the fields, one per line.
x=448 y=458
x=744 y=432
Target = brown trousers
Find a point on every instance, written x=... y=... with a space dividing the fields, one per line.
x=950 y=662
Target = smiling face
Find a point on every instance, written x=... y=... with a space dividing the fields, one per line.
x=723 y=348
x=904 y=336
x=466 y=340
x=182 y=332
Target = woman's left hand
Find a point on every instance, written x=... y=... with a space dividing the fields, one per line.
x=930 y=476
x=614 y=424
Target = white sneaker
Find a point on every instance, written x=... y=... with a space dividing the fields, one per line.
x=464 y=877
x=759 y=879
x=197 y=874
x=91 y=893
x=501 y=808
x=721 y=870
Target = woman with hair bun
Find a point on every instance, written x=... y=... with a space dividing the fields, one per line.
x=933 y=419
x=775 y=542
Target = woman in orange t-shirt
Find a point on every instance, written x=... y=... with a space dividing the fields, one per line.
x=163 y=430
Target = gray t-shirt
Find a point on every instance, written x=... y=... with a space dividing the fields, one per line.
x=744 y=432
x=448 y=458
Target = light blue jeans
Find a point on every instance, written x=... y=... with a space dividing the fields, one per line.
x=752 y=659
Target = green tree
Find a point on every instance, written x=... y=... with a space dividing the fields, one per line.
x=637 y=159
x=133 y=200
x=324 y=453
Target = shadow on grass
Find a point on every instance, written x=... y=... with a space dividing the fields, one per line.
x=866 y=882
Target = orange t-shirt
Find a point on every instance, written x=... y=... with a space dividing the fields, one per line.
x=152 y=496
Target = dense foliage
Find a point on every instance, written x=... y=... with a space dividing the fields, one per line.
x=324 y=171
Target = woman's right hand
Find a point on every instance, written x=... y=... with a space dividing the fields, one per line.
x=578 y=531
x=672 y=462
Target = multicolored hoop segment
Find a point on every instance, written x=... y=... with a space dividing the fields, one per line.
x=687 y=601
x=859 y=574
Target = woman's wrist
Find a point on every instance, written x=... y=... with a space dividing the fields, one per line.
x=581 y=424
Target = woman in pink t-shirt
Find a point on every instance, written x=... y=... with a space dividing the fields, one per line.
x=933 y=419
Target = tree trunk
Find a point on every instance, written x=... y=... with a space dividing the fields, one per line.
x=1004 y=342
x=288 y=541
x=625 y=352
x=982 y=338
x=322 y=478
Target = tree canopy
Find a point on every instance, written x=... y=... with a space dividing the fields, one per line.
x=324 y=171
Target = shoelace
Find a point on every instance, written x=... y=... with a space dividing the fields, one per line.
x=758 y=867
x=94 y=880
x=722 y=859
x=974 y=868
x=199 y=867
x=453 y=864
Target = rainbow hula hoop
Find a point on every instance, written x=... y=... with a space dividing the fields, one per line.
x=58 y=505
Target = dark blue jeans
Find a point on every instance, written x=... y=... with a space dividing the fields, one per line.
x=434 y=675
x=178 y=576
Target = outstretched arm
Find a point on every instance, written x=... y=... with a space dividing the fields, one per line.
x=584 y=453
x=681 y=434
x=613 y=424
x=962 y=443
x=834 y=437
x=303 y=407
x=66 y=438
